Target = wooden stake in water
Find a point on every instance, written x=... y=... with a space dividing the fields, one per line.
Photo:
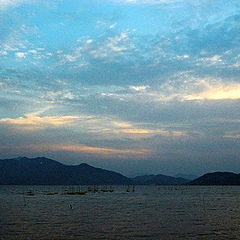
x=24 y=199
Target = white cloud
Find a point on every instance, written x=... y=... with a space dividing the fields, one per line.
x=113 y=46
x=56 y=96
x=78 y=54
x=70 y=58
x=33 y=51
x=116 y=44
x=4 y=4
x=236 y=65
x=112 y=26
x=139 y=88
x=210 y=61
x=3 y=53
x=17 y=39
x=89 y=41
x=20 y=54
x=182 y=57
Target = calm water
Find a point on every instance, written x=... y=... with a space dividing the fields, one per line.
x=151 y=212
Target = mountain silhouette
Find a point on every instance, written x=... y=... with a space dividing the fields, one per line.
x=217 y=178
x=44 y=171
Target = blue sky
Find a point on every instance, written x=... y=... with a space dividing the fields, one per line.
x=136 y=86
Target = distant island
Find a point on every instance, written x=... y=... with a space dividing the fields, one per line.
x=217 y=178
x=45 y=171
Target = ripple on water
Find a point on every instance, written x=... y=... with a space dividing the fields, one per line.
x=149 y=213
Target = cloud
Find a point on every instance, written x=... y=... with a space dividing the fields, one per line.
x=16 y=39
x=126 y=129
x=20 y=54
x=3 y=53
x=182 y=57
x=112 y=26
x=113 y=46
x=33 y=122
x=139 y=88
x=218 y=92
x=4 y=4
x=186 y=88
x=102 y=152
x=232 y=136
x=136 y=133
x=104 y=127
x=211 y=61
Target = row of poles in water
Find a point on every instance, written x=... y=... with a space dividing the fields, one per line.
x=77 y=190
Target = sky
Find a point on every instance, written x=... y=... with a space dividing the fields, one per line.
x=134 y=86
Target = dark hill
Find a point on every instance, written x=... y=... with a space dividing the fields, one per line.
x=159 y=180
x=217 y=178
x=44 y=171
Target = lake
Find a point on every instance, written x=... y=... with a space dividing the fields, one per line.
x=150 y=212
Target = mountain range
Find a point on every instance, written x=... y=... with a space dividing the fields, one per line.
x=45 y=171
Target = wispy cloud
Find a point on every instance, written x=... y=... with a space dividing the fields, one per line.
x=232 y=136
x=33 y=121
x=102 y=152
x=113 y=46
x=191 y=88
x=126 y=129
x=219 y=92
x=4 y=4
